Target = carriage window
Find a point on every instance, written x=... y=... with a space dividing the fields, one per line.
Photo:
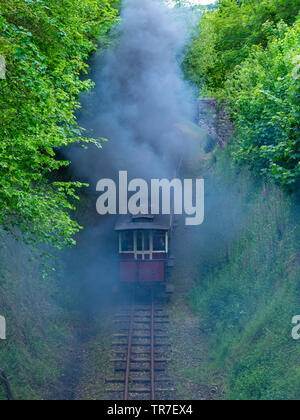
x=143 y=241
x=159 y=241
x=139 y=241
x=146 y=241
x=127 y=241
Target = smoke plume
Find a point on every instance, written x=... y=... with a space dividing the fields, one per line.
x=140 y=97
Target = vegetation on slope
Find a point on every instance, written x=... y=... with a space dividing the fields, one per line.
x=248 y=53
x=263 y=95
x=45 y=45
x=226 y=37
x=246 y=297
x=33 y=356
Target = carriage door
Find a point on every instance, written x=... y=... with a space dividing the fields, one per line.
x=150 y=270
x=129 y=268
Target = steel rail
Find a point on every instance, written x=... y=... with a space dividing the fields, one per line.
x=129 y=351
x=152 y=353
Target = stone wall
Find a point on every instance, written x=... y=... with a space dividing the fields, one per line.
x=214 y=119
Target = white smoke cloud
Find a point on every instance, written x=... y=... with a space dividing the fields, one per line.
x=140 y=96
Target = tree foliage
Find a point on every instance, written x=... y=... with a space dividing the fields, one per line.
x=45 y=45
x=225 y=37
x=263 y=95
x=247 y=52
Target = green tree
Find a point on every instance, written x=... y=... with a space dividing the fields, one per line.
x=226 y=36
x=263 y=95
x=45 y=45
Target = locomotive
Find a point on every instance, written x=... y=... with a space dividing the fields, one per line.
x=144 y=247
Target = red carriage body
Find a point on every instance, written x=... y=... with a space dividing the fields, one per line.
x=143 y=248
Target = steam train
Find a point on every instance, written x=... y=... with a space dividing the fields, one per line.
x=144 y=245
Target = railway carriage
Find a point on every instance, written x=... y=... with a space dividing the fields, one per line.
x=144 y=244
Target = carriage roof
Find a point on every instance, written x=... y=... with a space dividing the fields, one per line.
x=143 y=222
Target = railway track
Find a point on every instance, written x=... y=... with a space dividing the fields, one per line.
x=140 y=351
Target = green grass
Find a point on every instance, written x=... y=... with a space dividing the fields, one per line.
x=32 y=357
x=96 y=367
x=246 y=300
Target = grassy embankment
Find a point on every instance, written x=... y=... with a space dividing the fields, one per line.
x=32 y=357
x=247 y=285
x=245 y=299
x=45 y=46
